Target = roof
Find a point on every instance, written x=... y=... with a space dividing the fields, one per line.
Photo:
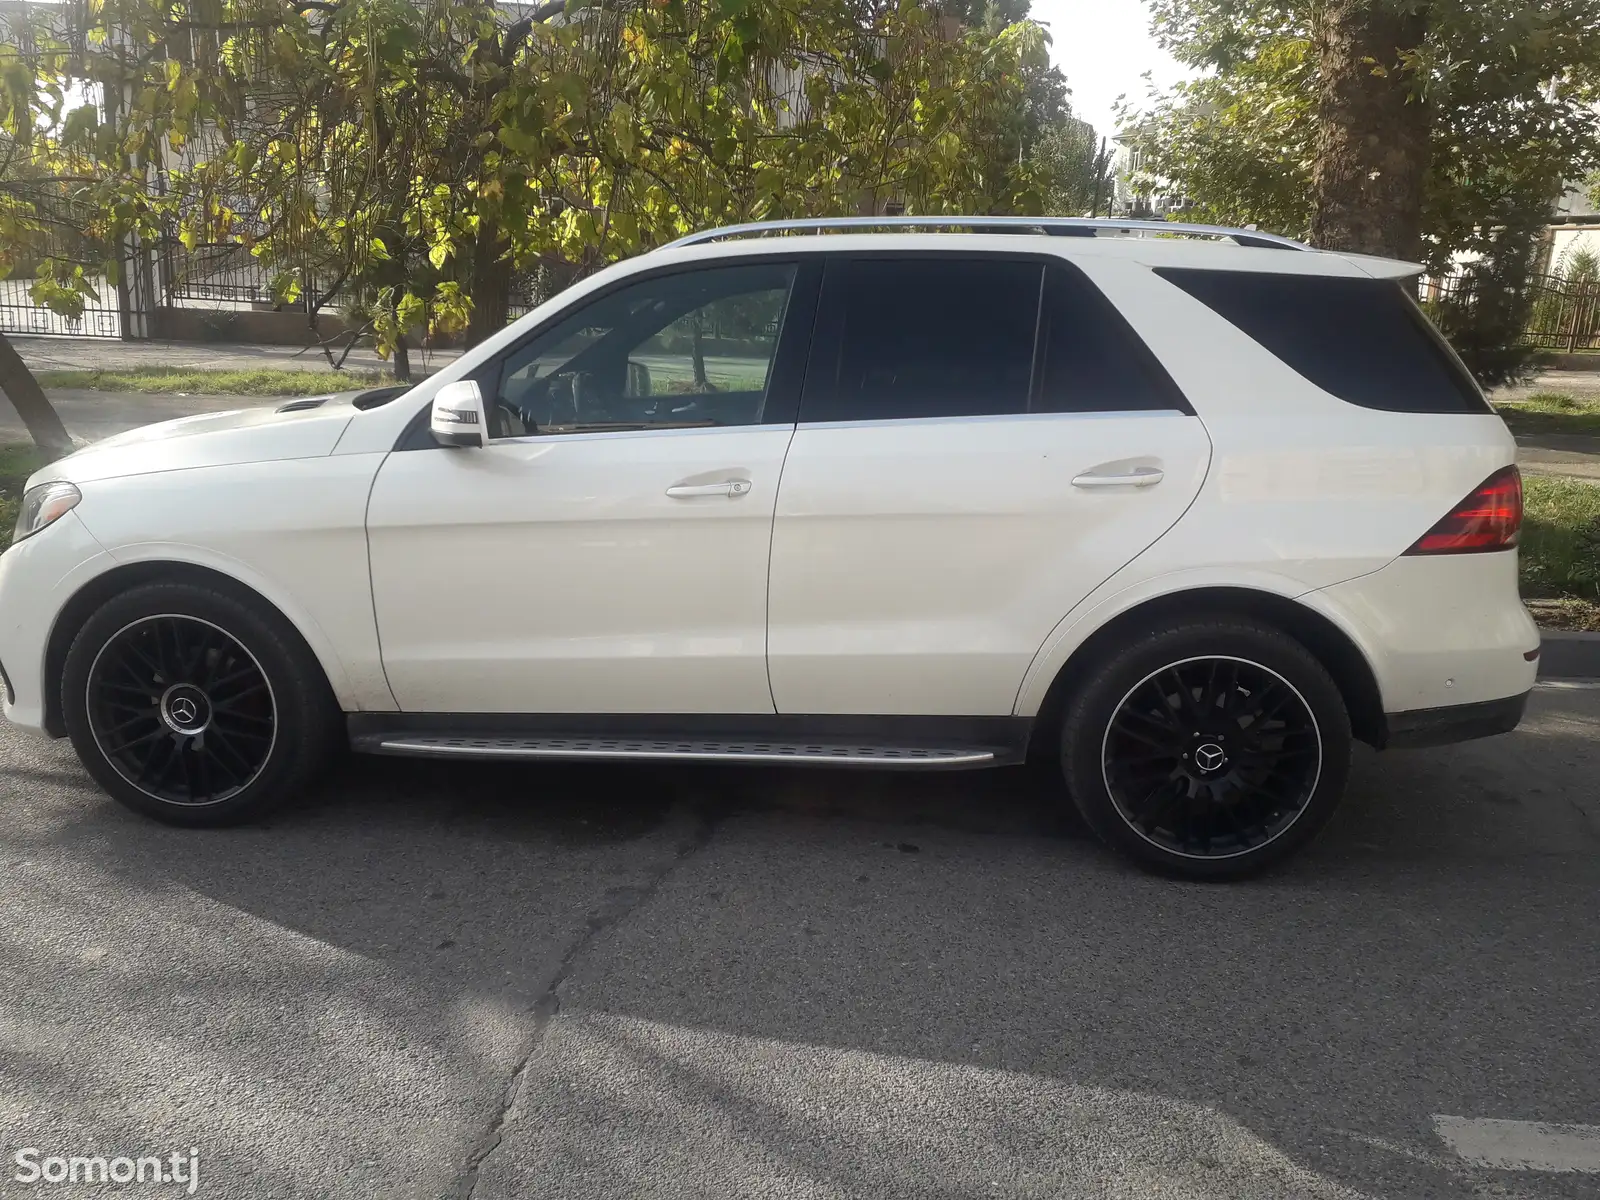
x=1050 y=226
x=1152 y=243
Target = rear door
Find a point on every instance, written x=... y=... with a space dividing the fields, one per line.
x=982 y=441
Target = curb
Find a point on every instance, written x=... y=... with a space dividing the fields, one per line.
x=1569 y=655
x=1571 y=362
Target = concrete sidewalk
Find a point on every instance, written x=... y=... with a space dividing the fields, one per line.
x=104 y=354
x=1576 y=456
x=90 y=415
x=80 y=353
x=1582 y=384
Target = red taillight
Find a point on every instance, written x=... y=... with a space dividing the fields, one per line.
x=1489 y=519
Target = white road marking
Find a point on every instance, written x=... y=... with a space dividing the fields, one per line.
x=1569 y=685
x=1521 y=1145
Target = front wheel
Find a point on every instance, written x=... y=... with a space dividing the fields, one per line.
x=195 y=706
x=1210 y=750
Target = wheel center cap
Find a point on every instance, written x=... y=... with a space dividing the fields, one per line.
x=185 y=709
x=1210 y=757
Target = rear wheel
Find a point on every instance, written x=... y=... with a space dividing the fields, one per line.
x=1209 y=750
x=195 y=706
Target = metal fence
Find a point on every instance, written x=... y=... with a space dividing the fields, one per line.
x=20 y=315
x=1564 y=314
x=101 y=316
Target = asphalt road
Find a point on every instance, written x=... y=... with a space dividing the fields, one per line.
x=92 y=415
x=448 y=982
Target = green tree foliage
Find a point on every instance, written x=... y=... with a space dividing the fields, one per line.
x=406 y=159
x=1507 y=91
x=1059 y=148
x=1065 y=157
x=416 y=154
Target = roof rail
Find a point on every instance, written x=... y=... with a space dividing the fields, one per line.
x=1056 y=226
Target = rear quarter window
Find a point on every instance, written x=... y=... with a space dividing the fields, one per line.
x=1363 y=340
x=1090 y=360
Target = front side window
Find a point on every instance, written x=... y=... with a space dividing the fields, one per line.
x=687 y=350
x=925 y=337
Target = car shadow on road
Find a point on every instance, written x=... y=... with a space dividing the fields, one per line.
x=1434 y=952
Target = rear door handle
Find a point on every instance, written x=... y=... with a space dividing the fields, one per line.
x=1139 y=477
x=728 y=487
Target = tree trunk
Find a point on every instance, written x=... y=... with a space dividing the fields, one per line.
x=32 y=405
x=1373 y=134
x=402 y=359
x=491 y=283
x=697 y=352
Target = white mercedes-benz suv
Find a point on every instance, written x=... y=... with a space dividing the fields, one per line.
x=1185 y=514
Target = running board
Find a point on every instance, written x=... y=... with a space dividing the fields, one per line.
x=792 y=753
x=903 y=743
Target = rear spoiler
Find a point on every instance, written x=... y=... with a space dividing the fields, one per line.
x=1385 y=268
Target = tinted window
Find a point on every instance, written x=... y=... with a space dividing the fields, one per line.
x=925 y=337
x=1091 y=360
x=683 y=350
x=1363 y=340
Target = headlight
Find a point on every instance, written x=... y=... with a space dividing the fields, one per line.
x=43 y=505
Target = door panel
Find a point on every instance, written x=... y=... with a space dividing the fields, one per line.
x=607 y=550
x=556 y=574
x=918 y=566
x=981 y=443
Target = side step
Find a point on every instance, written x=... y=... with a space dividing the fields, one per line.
x=903 y=743
x=681 y=750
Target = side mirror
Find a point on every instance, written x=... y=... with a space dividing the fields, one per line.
x=458 y=418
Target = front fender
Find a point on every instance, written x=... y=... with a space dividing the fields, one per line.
x=293 y=532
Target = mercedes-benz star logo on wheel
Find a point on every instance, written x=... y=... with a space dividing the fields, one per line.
x=184 y=710
x=1209 y=757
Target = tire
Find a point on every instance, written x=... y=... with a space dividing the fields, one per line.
x=1147 y=755
x=196 y=706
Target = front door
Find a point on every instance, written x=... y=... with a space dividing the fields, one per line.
x=982 y=442
x=607 y=551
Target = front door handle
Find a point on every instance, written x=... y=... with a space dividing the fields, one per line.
x=728 y=487
x=1139 y=477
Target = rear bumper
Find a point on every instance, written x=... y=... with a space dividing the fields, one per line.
x=1438 y=630
x=1456 y=723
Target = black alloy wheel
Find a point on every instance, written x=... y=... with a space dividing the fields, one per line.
x=197 y=704
x=1210 y=747
x=182 y=711
x=1212 y=757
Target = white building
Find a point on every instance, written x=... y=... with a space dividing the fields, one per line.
x=1575 y=226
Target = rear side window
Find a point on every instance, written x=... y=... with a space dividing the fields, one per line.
x=1363 y=340
x=924 y=337
x=1091 y=361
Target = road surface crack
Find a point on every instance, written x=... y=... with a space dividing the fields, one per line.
x=695 y=829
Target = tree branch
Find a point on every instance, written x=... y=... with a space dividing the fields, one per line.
x=517 y=32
